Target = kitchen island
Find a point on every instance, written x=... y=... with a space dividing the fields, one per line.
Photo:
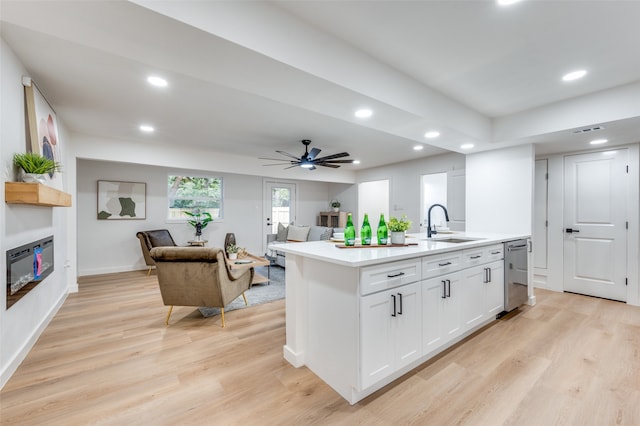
x=360 y=318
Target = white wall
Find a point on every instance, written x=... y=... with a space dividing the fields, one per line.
x=405 y=181
x=106 y=246
x=21 y=324
x=499 y=190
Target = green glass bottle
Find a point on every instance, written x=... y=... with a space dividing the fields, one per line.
x=349 y=232
x=365 y=232
x=383 y=233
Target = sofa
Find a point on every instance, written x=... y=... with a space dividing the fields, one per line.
x=293 y=234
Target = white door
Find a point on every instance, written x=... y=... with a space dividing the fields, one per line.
x=595 y=211
x=279 y=206
x=540 y=215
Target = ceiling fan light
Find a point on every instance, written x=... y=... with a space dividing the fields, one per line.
x=306 y=165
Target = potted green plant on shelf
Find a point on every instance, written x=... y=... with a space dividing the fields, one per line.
x=199 y=220
x=232 y=251
x=398 y=227
x=34 y=167
x=335 y=205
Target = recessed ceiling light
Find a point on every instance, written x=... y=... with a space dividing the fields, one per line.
x=157 y=81
x=146 y=128
x=432 y=134
x=574 y=75
x=506 y=2
x=356 y=161
x=364 y=113
x=466 y=146
x=418 y=148
x=598 y=141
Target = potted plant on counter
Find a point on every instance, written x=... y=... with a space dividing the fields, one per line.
x=34 y=167
x=335 y=205
x=398 y=227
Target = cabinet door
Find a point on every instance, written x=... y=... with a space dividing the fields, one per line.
x=407 y=325
x=494 y=289
x=376 y=339
x=473 y=305
x=452 y=307
x=433 y=299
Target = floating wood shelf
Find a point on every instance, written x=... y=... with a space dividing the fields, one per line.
x=35 y=194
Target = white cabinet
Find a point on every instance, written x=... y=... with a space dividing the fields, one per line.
x=483 y=293
x=494 y=289
x=390 y=332
x=412 y=309
x=441 y=311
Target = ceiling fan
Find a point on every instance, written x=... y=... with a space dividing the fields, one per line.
x=309 y=160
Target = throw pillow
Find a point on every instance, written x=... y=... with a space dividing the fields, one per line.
x=319 y=233
x=282 y=233
x=297 y=233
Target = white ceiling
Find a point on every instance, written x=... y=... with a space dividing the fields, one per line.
x=249 y=78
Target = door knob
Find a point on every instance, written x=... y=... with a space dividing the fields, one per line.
x=571 y=231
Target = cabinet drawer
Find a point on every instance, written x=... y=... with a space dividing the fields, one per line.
x=474 y=256
x=481 y=255
x=494 y=252
x=440 y=264
x=389 y=275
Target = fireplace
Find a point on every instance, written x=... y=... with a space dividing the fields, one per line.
x=27 y=266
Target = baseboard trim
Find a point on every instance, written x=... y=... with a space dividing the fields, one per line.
x=13 y=365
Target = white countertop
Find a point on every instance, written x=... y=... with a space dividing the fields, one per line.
x=356 y=257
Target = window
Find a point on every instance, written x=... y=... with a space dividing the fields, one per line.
x=186 y=193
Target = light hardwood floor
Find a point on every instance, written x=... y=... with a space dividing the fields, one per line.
x=107 y=358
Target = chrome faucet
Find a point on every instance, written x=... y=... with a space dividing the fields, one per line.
x=446 y=216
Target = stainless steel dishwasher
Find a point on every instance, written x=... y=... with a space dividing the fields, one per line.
x=516 y=274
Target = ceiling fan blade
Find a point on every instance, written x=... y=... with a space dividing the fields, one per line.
x=288 y=155
x=314 y=152
x=329 y=157
x=273 y=159
x=333 y=166
x=290 y=167
x=334 y=161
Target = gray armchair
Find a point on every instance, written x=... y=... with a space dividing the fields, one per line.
x=151 y=239
x=198 y=276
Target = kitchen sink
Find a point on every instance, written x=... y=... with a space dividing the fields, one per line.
x=454 y=240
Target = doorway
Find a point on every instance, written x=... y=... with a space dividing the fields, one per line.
x=595 y=224
x=279 y=206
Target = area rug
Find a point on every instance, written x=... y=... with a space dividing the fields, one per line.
x=257 y=294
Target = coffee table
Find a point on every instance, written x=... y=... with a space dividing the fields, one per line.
x=250 y=261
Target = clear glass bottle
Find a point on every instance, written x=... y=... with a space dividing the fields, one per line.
x=383 y=232
x=349 y=232
x=365 y=231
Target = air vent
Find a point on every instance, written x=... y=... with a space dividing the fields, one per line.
x=588 y=129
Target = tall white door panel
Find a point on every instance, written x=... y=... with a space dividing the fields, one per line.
x=595 y=212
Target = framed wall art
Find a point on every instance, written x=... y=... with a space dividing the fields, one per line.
x=43 y=136
x=121 y=200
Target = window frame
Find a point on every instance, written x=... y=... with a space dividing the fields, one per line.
x=184 y=219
